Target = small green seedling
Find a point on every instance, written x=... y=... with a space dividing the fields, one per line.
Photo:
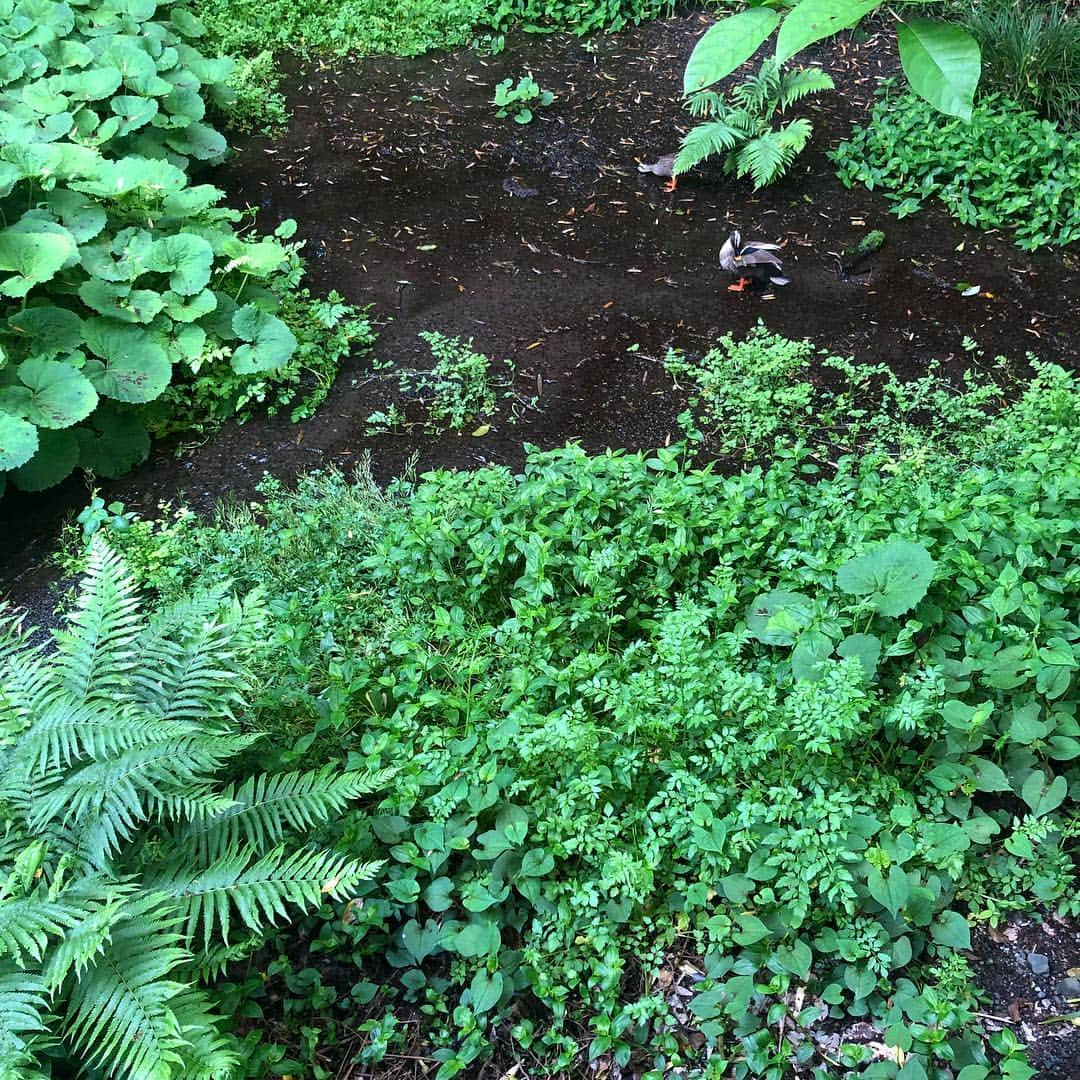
x=515 y=100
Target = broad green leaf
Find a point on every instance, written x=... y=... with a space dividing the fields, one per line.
x=56 y=457
x=134 y=112
x=18 y=441
x=79 y=214
x=812 y=20
x=420 y=943
x=775 y=618
x=1041 y=796
x=477 y=939
x=60 y=396
x=187 y=258
x=50 y=330
x=187 y=24
x=988 y=776
x=135 y=367
x=33 y=258
x=188 y=309
x=893 y=577
x=486 y=990
x=811 y=651
x=438 y=895
x=795 y=958
x=197 y=140
x=950 y=928
x=120 y=301
x=271 y=342
x=537 y=863
x=94 y=84
x=727 y=44
x=113 y=441
x=751 y=930
x=943 y=63
x=866 y=648
x=891 y=892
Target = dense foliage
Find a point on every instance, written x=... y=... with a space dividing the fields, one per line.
x=118 y=274
x=404 y=27
x=796 y=732
x=1007 y=168
x=1030 y=52
x=129 y=870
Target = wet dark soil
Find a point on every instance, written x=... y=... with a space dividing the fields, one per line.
x=407 y=189
x=414 y=198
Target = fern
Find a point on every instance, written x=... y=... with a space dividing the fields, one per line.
x=125 y=864
x=743 y=131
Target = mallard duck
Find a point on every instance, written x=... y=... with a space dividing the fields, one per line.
x=662 y=166
x=753 y=262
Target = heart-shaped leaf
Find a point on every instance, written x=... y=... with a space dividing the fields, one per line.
x=60 y=396
x=135 y=367
x=775 y=618
x=271 y=342
x=18 y=440
x=188 y=259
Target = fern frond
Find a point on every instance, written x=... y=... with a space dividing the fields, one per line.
x=27 y=923
x=24 y=1015
x=119 y=1010
x=263 y=808
x=95 y=652
x=794 y=136
x=706 y=103
x=758 y=94
x=259 y=891
x=209 y=1055
x=800 y=83
x=765 y=158
x=191 y=655
x=211 y=964
x=101 y=905
x=702 y=142
x=26 y=686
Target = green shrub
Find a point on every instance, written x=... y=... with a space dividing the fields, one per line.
x=1004 y=169
x=116 y=273
x=130 y=871
x=1030 y=52
x=801 y=733
x=257 y=104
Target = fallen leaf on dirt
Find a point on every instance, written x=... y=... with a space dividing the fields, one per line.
x=483 y=429
x=972 y=290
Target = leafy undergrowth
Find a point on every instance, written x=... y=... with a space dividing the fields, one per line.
x=691 y=771
x=404 y=27
x=1005 y=169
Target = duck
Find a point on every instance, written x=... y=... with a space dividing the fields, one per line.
x=662 y=166
x=753 y=262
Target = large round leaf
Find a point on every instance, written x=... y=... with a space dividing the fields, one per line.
x=892 y=577
x=60 y=396
x=134 y=367
x=198 y=141
x=188 y=257
x=942 y=63
x=50 y=330
x=134 y=112
x=120 y=301
x=94 y=84
x=271 y=341
x=188 y=310
x=812 y=20
x=56 y=457
x=777 y=617
x=727 y=44
x=80 y=214
x=18 y=441
x=34 y=257
x=114 y=442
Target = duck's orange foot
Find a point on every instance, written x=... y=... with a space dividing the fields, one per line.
x=672 y=184
x=739 y=286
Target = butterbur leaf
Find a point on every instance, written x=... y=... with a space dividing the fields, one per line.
x=33 y=258
x=725 y=45
x=120 y=301
x=811 y=651
x=866 y=648
x=271 y=342
x=113 y=441
x=951 y=929
x=18 y=441
x=60 y=396
x=56 y=457
x=775 y=618
x=893 y=577
x=942 y=63
x=187 y=259
x=133 y=368
x=198 y=141
x=50 y=330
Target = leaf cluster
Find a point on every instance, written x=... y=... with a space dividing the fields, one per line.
x=129 y=870
x=805 y=731
x=1007 y=168
x=519 y=99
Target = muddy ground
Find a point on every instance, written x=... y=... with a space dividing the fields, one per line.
x=398 y=173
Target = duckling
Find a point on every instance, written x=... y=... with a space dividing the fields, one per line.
x=753 y=262
x=662 y=166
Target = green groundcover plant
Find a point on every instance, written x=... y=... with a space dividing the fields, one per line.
x=118 y=274
x=799 y=733
x=135 y=860
x=1006 y=169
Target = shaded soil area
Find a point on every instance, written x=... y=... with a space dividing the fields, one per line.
x=405 y=185
x=412 y=197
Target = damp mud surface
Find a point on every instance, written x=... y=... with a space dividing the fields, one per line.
x=546 y=245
